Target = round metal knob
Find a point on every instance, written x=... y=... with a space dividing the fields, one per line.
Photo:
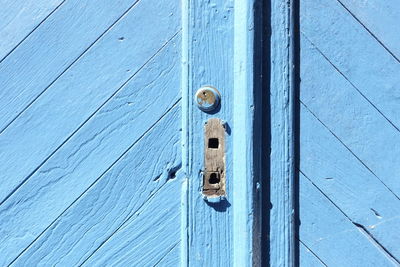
x=207 y=98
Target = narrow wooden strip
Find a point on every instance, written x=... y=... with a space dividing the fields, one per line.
x=90 y=152
x=281 y=153
x=210 y=62
x=20 y=18
x=132 y=204
x=77 y=95
x=340 y=38
x=51 y=49
x=347 y=183
x=330 y=235
x=246 y=242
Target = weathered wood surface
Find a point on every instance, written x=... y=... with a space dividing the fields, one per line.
x=75 y=96
x=209 y=44
x=92 y=155
x=349 y=133
x=20 y=18
x=281 y=151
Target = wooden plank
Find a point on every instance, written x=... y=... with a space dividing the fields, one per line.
x=130 y=216
x=53 y=48
x=340 y=38
x=344 y=111
x=145 y=240
x=345 y=180
x=281 y=152
x=308 y=258
x=90 y=152
x=89 y=84
x=330 y=235
x=21 y=18
x=246 y=109
x=381 y=19
x=208 y=39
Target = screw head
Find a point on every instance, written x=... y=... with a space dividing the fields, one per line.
x=207 y=98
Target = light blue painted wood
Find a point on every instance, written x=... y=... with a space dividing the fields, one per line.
x=349 y=131
x=51 y=49
x=219 y=40
x=326 y=95
x=210 y=62
x=20 y=18
x=78 y=94
x=91 y=151
x=340 y=38
x=122 y=203
x=329 y=234
x=381 y=19
x=281 y=154
x=246 y=247
x=347 y=183
x=308 y=258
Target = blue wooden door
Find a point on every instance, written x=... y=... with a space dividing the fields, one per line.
x=91 y=168
x=102 y=144
x=349 y=133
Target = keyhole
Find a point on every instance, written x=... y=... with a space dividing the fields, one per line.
x=214 y=178
x=213 y=143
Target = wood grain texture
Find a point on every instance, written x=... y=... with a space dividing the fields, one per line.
x=282 y=174
x=246 y=181
x=91 y=151
x=136 y=204
x=329 y=234
x=51 y=49
x=380 y=19
x=348 y=184
x=129 y=216
x=372 y=70
x=349 y=131
x=220 y=36
x=308 y=258
x=209 y=38
x=78 y=94
x=352 y=118
x=21 y=18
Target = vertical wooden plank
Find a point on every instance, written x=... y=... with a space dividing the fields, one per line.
x=245 y=248
x=218 y=40
x=281 y=243
x=209 y=43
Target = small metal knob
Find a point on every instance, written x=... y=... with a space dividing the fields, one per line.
x=207 y=98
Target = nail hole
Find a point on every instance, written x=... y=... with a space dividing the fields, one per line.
x=213 y=143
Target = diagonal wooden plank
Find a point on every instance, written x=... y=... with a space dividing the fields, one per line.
x=340 y=37
x=146 y=237
x=363 y=130
x=121 y=196
x=62 y=109
x=381 y=19
x=90 y=152
x=51 y=49
x=308 y=257
x=348 y=184
x=331 y=236
x=20 y=18
x=170 y=259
